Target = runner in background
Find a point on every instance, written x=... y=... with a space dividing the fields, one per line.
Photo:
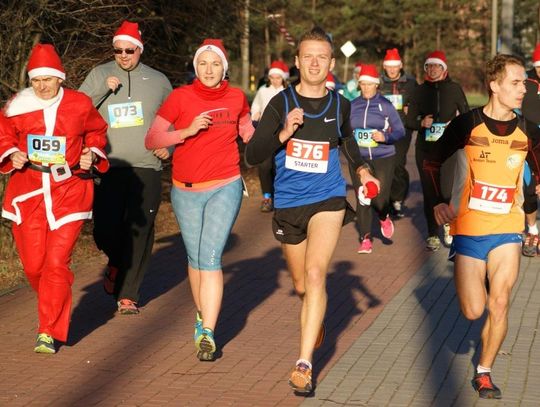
x=432 y=105
x=398 y=87
x=128 y=94
x=351 y=90
x=276 y=82
x=531 y=111
x=377 y=127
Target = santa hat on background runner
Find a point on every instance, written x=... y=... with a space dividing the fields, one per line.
x=330 y=81
x=129 y=31
x=214 y=45
x=392 y=58
x=536 y=56
x=369 y=74
x=44 y=61
x=279 y=68
x=436 y=57
x=357 y=67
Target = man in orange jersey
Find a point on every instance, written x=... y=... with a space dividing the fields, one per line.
x=485 y=211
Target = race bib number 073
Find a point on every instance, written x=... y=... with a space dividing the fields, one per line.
x=126 y=115
x=491 y=198
x=307 y=156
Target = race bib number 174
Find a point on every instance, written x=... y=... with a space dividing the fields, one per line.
x=491 y=198
x=307 y=156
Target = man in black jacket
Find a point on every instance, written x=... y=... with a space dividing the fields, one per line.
x=531 y=111
x=433 y=104
x=398 y=87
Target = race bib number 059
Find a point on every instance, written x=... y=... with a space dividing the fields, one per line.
x=126 y=115
x=46 y=149
x=307 y=156
x=491 y=198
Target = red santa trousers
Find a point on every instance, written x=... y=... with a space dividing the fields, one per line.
x=46 y=257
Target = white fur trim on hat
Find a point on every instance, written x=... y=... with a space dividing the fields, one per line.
x=367 y=78
x=536 y=63
x=277 y=71
x=393 y=62
x=435 y=61
x=129 y=38
x=217 y=50
x=46 y=71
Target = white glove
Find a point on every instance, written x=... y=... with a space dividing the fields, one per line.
x=364 y=201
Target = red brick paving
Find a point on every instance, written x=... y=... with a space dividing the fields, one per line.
x=149 y=359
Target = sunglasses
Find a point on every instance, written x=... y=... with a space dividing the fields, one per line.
x=129 y=51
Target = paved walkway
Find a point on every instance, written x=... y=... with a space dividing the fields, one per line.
x=395 y=335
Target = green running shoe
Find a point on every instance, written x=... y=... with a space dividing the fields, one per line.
x=44 y=344
x=206 y=345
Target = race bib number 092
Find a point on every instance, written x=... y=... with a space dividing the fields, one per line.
x=307 y=156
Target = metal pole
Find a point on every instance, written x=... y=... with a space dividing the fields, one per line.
x=245 y=48
x=507 y=26
x=494 y=19
x=346 y=68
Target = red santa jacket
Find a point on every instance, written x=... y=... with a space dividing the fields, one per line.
x=70 y=117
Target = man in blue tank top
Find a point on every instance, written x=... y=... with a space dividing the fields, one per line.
x=305 y=126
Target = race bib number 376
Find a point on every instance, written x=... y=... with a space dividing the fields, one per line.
x=307 y=156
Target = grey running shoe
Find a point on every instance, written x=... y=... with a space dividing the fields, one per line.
x=433 y=243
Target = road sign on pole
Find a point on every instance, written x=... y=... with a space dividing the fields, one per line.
x=348 y=49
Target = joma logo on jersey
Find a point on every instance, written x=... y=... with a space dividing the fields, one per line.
x=499 y=141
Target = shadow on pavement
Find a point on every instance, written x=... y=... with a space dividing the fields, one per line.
x=449 y=336
x=252 y=281
x=347 y=298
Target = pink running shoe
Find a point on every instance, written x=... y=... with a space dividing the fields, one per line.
x=365 y=246
x=387 y=227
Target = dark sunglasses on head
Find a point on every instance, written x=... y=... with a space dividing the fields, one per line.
x=129 y=51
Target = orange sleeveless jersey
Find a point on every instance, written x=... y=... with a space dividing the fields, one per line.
x=488 y=183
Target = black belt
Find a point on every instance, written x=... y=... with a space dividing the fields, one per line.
x=47 y=170
x=44 y=168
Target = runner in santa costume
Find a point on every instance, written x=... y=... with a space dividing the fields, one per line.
x=57 y=136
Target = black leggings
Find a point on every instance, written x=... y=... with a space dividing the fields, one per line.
x=383 y=170
x=430 y=199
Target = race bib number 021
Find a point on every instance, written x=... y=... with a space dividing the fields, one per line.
x=46 y=149
x=364 y=137
x=491 y=198
x=307 y=156
x=126 y=115
x=396 y=100
x=435 y=131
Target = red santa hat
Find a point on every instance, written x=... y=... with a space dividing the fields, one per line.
x=279 y=68
x=44 y=61
x=536 y=55
x=214 y=45
x=357 y=67
x=330 y=81
x=436 y=57
x=129 y=31
x=369 y=74
x=392 y=58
